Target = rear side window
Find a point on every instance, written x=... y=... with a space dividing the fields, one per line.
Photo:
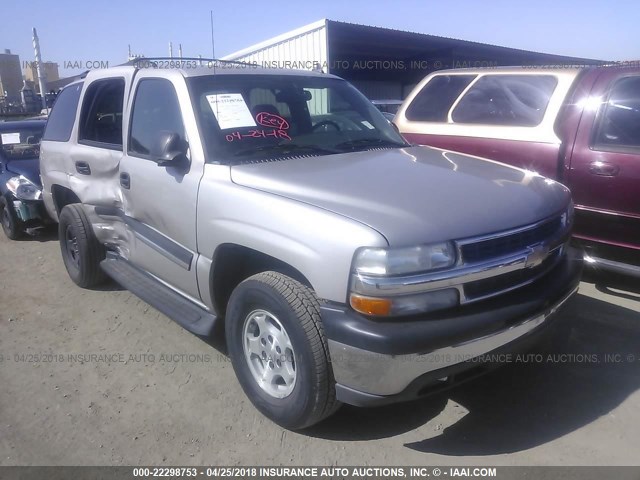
x=434 y=101
x=509 y=100
x=619 y=119
x=155 y=109
x=101 y=116
x=63 y=114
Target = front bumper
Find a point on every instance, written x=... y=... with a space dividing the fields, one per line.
x=378 y=362
x=31 y=213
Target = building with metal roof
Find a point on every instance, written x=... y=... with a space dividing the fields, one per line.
x=385 y=63
x=10 y=77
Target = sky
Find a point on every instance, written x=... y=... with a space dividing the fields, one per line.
x=73 y=32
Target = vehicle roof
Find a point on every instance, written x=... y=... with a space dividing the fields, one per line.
x=12 y=124
x=524 y=69
x=251 y=70
x=224 y=68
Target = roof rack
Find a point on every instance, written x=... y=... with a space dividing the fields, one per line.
x=137 y=61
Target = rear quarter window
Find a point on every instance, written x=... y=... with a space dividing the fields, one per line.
x=433 y=102
x=63 y=114
x=101 y=114
x=508 y=100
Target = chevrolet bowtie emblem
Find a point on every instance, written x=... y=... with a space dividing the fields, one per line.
x=537 y=255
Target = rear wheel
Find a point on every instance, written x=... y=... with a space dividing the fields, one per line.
x=81 y=251
x=11 y=224
x=279 y=353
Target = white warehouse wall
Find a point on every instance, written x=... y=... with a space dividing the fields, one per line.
x=304 y=48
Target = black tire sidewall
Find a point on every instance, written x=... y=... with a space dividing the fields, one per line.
x=15 y=228
x=67 y=220
x=290 y=411
x=73 y=217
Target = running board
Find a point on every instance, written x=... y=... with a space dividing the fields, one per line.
x=611 y=266
x=182 y=311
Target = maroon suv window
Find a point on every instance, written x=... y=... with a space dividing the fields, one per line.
x=509 y=100
x=619 y=119
x=435 y=99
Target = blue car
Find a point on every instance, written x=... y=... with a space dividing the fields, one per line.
x=21 y=205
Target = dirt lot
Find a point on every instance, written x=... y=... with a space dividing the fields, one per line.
x=121 y=384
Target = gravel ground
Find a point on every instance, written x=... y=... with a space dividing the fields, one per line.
x=98 y=377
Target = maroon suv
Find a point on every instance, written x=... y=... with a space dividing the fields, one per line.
x=580 y=126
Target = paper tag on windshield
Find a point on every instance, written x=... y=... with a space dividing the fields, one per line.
x=230 y=110
x=10 y=138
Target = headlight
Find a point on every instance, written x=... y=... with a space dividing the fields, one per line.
x=403 y=261
x=398 y=262
x=23 y=189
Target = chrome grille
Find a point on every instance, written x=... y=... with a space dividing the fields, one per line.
x=502 y=245
x=487 y=266
x=503 y=283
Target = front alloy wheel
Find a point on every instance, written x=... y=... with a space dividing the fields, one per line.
x=278 y=350
x=269 y=353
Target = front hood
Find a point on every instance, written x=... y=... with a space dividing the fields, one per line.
x=413 y=195
x=29 y=169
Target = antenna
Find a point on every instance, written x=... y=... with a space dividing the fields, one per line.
x=213 y=45
x=170 y=50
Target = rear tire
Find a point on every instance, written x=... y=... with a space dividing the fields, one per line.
x=11 y=224
x=81 y=251
x=278 y=350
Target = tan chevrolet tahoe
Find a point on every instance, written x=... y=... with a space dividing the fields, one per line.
x=343 y=264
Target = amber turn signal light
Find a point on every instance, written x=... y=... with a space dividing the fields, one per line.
x=370 y=305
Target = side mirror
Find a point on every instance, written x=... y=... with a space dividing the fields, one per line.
x=169 y=149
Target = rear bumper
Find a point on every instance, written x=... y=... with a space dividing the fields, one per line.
x=377 y=362
x=49 y=205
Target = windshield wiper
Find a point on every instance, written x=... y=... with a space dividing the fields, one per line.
x=284 y=148
x=369 y=142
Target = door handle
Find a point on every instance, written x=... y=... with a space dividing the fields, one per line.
x=125 y=180
x=83 y=168
x=603 y=169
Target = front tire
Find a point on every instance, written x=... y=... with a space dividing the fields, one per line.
x=81 y=251
x=11 y=224
x=278 y=350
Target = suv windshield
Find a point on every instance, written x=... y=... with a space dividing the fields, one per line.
x=247 y=117
x=17 y=142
